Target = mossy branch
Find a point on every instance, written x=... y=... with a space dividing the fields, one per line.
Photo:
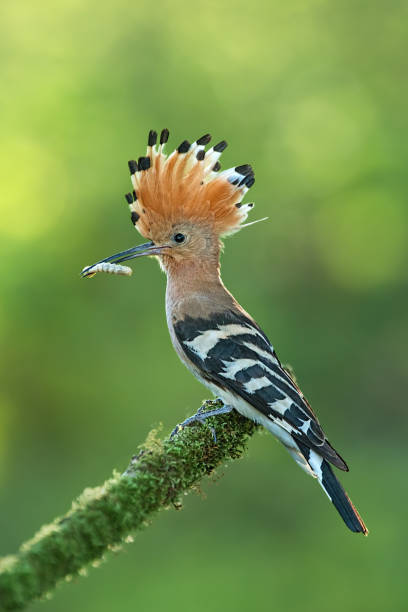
x=102 y=517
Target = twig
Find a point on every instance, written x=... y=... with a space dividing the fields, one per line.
x=102 y=517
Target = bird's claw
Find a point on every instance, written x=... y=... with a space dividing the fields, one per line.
x=200 y=417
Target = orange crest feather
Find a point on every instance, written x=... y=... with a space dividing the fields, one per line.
x=187 y=185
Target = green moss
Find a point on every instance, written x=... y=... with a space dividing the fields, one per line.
x=102 y=518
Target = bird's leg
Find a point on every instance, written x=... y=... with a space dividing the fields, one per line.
x=207 y=403
x=200 y=416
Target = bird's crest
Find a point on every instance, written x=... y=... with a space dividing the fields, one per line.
x=187 y=185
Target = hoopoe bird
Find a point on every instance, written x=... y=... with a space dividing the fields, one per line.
x=184 y=205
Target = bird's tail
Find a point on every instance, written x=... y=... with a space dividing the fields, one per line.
x=323 y=472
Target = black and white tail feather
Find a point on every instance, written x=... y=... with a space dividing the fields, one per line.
x=234 y=358
x=331 y=486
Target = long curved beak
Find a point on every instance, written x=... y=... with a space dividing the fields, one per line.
x=138 y=251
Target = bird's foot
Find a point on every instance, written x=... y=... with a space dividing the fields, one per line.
x=200 y=416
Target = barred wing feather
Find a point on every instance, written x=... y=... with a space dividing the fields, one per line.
x=232 y=352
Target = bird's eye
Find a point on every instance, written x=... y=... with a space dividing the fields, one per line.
x=179 y=238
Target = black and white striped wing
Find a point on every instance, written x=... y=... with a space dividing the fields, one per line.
x=233 y=353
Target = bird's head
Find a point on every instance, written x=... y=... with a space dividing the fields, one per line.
x=182 y=203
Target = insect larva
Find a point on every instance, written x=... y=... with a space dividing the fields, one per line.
x=108 y=268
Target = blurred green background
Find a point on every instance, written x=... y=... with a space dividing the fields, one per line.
x=313 y=94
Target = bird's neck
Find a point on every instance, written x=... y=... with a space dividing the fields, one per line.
x=193 y=276
x=193 y=285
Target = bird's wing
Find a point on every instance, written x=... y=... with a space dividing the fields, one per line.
x=232 y=352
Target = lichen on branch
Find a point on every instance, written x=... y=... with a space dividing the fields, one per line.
x=103 y=517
